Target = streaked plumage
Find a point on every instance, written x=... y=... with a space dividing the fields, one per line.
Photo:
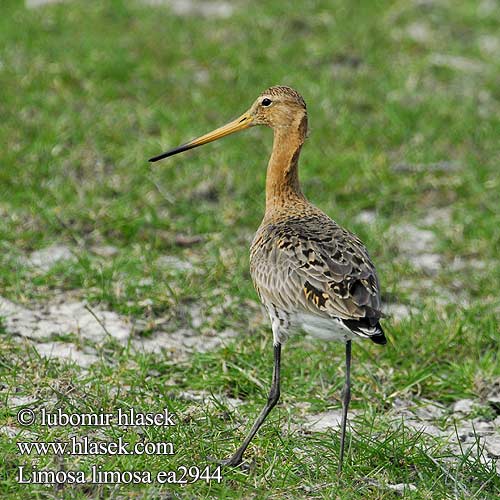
x=310 y=273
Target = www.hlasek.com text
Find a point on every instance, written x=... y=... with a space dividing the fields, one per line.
x=88 y=446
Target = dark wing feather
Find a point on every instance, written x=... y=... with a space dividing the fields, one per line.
x=311 y=263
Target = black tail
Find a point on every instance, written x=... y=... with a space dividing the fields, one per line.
x=379 y=338
x=367 y=327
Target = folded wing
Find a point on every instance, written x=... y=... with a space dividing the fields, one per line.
x=312 y=264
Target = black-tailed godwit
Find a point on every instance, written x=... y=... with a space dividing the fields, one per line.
x=310 y=273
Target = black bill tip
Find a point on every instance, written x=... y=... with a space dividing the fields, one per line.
x=172 y=152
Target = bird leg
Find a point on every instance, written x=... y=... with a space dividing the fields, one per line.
x=346 y=397
x=274 y=395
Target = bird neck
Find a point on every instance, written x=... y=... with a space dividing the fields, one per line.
x=282 y=180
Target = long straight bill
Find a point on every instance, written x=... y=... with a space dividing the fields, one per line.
x=241 y=123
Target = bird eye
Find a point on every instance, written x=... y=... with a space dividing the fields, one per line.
x=266 y=102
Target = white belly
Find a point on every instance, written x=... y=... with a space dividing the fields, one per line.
x=324 y=328
x=285 y=324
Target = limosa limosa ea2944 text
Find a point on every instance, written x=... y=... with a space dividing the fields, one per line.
x=310 y=273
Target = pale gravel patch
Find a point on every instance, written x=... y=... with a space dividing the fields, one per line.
x=67 y=352
x=197 y=315
x=458 y=63
x=491 y=394
x=438 y=217
x=430 y=263
x=104 y=250
x=494 y=401
x=367 y=217
x=493 y=446
x=47 y=257
x=419 y=32
x=401 y=488
x=424 y=409
x=12 y=432
x=15 y=401
x=209 y=9
x=205 y=398
x=174 y=263
x=458 y=431
x=489 y=45
x=464 y=406
x=438 y=166
x=62 y=317
x=460 y=264
x=453 y=425
x=33 y=4
x=9 y=431
x=398 y=312
x=486 y=8
x=202 y=76
x=325 y=421
x=42 y=325
x=202 y=315
x=425 y=291
x=417 y=245
x=181 y=343
x=412 y=240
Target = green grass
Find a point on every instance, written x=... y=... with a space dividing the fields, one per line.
x=90 y=90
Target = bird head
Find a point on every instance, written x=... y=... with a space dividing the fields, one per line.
x=277 y=107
